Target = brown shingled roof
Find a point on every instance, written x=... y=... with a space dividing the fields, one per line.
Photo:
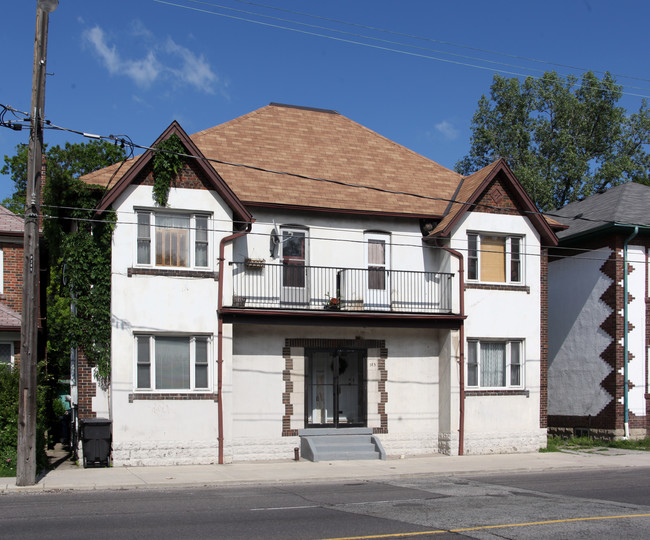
x=320 y=144
x=10 y=222
x=9 y=319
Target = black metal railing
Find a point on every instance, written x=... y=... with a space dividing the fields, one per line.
x=292 y=286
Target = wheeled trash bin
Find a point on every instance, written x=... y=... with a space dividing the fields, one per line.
x=95 y=434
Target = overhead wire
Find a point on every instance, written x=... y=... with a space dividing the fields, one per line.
x=584 y=252
x=127 y=141
x=379 y=47
x=413 y=36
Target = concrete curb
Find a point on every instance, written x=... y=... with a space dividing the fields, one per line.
x=70 y=477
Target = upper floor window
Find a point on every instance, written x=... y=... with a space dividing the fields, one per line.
x=173 y=239
x=494 y=258
x=494 y=364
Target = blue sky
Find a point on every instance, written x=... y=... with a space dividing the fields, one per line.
x=412 y=70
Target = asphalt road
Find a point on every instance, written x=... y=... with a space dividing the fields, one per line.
x=586 y=504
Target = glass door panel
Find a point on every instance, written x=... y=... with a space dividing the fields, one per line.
x=295 y=288
x=335 y=387
x=377 y=296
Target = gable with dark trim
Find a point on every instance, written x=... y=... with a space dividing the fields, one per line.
x=498 y=192
x=200 y=167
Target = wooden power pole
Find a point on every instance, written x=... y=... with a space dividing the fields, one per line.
x=26 y=458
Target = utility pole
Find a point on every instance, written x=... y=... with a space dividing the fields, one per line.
x=26 y=458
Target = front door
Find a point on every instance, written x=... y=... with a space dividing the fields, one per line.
x=335 y=388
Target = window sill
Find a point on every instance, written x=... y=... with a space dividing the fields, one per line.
x=173 y=272
x=175 y=396
x=497 y=392
x=497 y=287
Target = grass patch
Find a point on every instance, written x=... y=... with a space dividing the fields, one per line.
x=558 y=444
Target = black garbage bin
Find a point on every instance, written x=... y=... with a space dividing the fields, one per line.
x=95 y=434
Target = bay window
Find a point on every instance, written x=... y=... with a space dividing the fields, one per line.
x=494 y=364
x=494 y=258
x=174 y=240
x=172 y=362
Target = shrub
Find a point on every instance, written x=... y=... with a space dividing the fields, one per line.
x=9 y=391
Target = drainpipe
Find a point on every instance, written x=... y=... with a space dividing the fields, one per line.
x=461 y=290
x=626 y=419
x=222 y=247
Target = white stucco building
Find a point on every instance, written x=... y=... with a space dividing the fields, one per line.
x=597 y=340
x=309 y=279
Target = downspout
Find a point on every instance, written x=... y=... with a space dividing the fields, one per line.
x=222 y=248
x=461 y=349
x=626 y=422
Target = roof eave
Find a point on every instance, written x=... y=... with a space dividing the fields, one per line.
x=239 y=210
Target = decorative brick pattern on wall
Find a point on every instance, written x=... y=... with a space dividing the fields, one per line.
x=543 y=340
x=497 y=199
x=611 y=417
x=188 y=177
x=383 y=399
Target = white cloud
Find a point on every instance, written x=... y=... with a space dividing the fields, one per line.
x=170 y=62
x=194 y=70
x=144 y=72
x=447 y=130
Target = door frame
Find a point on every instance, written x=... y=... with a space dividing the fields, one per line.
x=296 y=265
x=377 y=298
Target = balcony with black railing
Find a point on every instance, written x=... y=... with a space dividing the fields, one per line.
x=258 y=285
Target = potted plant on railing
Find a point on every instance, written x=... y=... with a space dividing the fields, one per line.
x=332 y=304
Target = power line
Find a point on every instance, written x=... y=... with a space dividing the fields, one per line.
x=388 y=49
x=125 y=140
x=312 y=237
x=451 y=44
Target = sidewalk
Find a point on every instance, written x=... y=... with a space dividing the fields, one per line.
x=68 y=476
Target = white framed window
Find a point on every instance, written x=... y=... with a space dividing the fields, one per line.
x=6 y=354
x=172 y=239
x=495 y=363
x=172 y=363
x=495 y=258
x=2 y=271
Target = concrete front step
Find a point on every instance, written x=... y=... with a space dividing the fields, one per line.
x=340 y=444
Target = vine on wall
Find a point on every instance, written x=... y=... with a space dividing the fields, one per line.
x=166 y=165
x=79 y=290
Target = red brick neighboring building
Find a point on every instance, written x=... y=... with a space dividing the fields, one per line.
x=11 y=284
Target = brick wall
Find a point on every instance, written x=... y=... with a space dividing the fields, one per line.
x=497 y=199
x=188 y=177
x=87 y=389
x=12 y=294
x=543 y=340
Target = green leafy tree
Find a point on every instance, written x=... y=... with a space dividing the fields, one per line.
x=78 y=251
x=71 y=160
x=564 y=138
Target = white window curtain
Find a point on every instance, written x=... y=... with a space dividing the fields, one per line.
x=172 y=363
x=493 y=364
